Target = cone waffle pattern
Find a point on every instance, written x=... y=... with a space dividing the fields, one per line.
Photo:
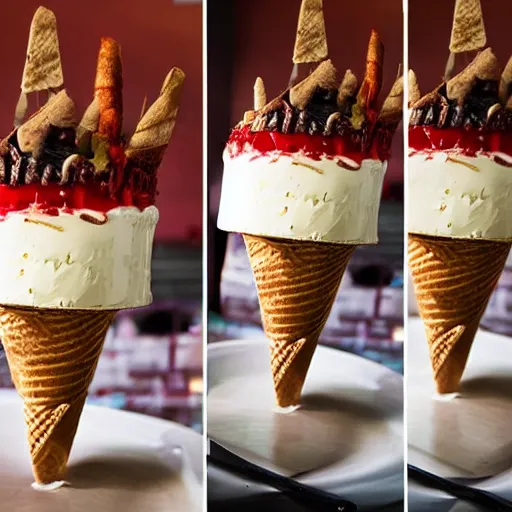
x=52 y=356
x=297 y=283
x=453 y=281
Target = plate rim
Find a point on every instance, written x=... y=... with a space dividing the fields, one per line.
x=11 y=395
x=219 y=345
x=414 y=322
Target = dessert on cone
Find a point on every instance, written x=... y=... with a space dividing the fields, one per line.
x=460 y=232
x=302 y=181
x=77 y=220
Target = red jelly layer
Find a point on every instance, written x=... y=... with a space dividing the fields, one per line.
x=50 y=198
x=315 y=147
x=466 y=141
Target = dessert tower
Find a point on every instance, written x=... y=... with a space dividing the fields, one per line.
x=297 y=269
x=54 y=325
x=455 y=268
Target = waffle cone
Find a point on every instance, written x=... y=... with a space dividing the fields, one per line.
x=297 y=283
x=453 y=281
x=52 y=356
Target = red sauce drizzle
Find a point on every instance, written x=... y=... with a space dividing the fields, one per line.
x=50 y=198
x=101 y=197
x=313 y=146
x=468 y=142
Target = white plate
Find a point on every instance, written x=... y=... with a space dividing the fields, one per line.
x=468 y=435
x=347 y=438
x=119 y=461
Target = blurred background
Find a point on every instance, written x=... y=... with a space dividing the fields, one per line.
x=152 y=360
x=247 y=39
x=428 y=54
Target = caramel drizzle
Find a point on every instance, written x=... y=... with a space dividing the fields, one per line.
x=313 y=168
x=47 y=224
x=460 y=162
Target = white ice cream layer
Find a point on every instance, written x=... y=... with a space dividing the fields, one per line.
x=64 y=261
x=459 y=196
x=296 y=197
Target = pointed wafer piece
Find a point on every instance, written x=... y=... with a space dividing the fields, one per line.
x=485 y=66
x=431 y=98
x=506 y=83
x=90 y=120
x=260 y=97
x=372 y=82
x=273 y=104
x=169 y=82
x=449 y=67
x=348 y=88
x=311 y=41
x=144 y=107
x=91 y=117
x=392 y=107
x=4 y=144
x=468 y=30
x=324 y=77
x=453 y=281
x=108 y=90
x=52 y=356
x=414 y=88
x=153 y=133
x=297 y=283
x=294 y=75
x=43 y=68
x=249 y=116
x=21 y=110
x=59 y=111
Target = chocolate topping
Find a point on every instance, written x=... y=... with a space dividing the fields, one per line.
x=58 y=111
x=23 y=168
x=469 y=100
x=323 y=77
x=320 y=105
x=51 y=148
x=322 y=116
x=285 y=118
x=485 y=66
